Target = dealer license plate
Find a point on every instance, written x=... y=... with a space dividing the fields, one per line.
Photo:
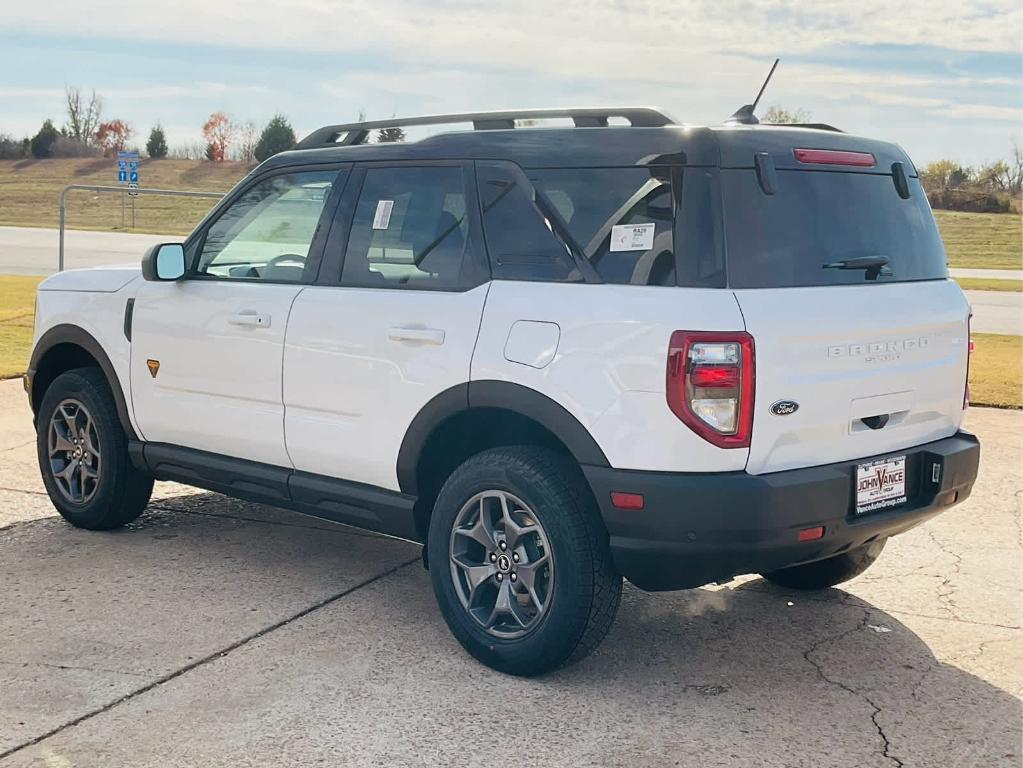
x=880 y=484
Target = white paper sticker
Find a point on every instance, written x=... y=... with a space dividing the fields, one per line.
x=383 y=215
x=632 y=237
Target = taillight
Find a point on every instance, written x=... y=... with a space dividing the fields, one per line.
x=834 y=157
x=969 y=354
x=710 y=385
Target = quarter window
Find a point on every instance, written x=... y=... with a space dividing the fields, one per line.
x=409 y=229
x=266 y=233
x=611 y=225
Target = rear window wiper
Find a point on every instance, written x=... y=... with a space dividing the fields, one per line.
x=873 y=265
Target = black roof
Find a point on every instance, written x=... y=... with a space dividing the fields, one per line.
x=725 y=146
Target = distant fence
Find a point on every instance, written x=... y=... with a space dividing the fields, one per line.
x=122 y=191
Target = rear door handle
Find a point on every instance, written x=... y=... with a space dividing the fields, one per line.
x=250 y=317
x=422 y=335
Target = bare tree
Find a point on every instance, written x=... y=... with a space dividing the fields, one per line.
x=248 y=137
x=779 y=115
x=83 y=117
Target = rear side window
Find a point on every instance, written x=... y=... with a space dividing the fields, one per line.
x=621 y=219
x=611 y=225
x=409 y=229
x=817 y=218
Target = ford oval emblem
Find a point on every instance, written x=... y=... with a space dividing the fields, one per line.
x=784 y=407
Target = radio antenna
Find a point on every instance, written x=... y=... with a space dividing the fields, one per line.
x=744 y=114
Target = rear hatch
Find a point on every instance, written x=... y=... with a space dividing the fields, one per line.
x=861 y=341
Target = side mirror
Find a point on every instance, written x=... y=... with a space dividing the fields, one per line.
x=165 y=261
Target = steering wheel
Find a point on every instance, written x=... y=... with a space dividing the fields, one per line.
x=285 y=257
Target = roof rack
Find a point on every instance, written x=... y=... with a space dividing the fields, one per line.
x=588 y=117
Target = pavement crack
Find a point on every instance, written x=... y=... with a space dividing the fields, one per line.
x=947 y=590
x=19 y=445
x=819 y=667
x=163 y=679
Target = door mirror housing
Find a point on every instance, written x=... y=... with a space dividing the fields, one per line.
x=165 y=261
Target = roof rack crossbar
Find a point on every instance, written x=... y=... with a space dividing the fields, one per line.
x=588 y=117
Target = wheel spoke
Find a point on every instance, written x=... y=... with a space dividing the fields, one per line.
x=60 y=443
x=527 y=572
x=70 y=419
x=502 y=605
x=479 y=532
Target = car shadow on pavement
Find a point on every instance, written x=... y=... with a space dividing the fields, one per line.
x=770 y=672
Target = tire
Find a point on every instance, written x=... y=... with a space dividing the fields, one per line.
x=101 y=489
x=580 y=590
x=827 y=573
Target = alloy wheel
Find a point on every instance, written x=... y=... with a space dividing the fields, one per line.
x=502 y=564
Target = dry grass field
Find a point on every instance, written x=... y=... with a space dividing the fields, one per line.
x=29 y=190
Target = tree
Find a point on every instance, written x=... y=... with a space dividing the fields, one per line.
x=388 y=135
x=112 y=136
x=42 y=143
x=944 y=174
x=83 y=117
x=781 y=116
x=247 y=138
x=156 y=146
x=277 y=137
x=219 y=132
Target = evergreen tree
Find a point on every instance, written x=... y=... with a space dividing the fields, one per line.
x=42 y=142
x=278 y=136
x=390 y=135
x=156 y=147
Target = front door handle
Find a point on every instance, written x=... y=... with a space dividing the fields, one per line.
x=250 y=317
x=422 y=335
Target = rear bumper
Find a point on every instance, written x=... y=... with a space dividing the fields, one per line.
x=699 y=528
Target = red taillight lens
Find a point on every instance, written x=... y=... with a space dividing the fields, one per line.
x=834 y=157
x=710 y=385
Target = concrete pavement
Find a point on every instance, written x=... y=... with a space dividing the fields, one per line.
x=220 y=633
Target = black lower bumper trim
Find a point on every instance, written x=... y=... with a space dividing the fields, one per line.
x=698 y=528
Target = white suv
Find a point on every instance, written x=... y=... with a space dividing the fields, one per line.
x=555 y=356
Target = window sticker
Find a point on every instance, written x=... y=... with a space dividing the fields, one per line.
x=632 y=237
x=382 y=217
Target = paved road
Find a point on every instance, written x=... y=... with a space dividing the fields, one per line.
x=31 y=251
x=996 y=311
x=25 y=250
x=993 y=274
x=220 y=633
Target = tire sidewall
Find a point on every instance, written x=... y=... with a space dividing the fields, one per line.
x=113 y=447
x=564 y=621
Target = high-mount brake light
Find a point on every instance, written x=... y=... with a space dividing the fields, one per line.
x=710 y=385
x=835 y=157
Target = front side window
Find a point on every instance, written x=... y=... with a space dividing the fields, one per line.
x=409 y=230
x=266 y=233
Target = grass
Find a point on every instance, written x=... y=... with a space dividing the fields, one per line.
x=17 y=311
x=982 y=240
x=996 y=369
x=29 y=191
x=989 y=284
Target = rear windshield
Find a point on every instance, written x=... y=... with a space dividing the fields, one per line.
x=820 y=217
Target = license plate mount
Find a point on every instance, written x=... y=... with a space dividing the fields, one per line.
x=880 y=484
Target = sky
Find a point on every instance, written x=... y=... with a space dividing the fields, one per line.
x=942 y=78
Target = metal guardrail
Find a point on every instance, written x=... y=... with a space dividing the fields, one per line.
x=121 y=190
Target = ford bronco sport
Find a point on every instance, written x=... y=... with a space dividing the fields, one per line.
x=556 y=356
